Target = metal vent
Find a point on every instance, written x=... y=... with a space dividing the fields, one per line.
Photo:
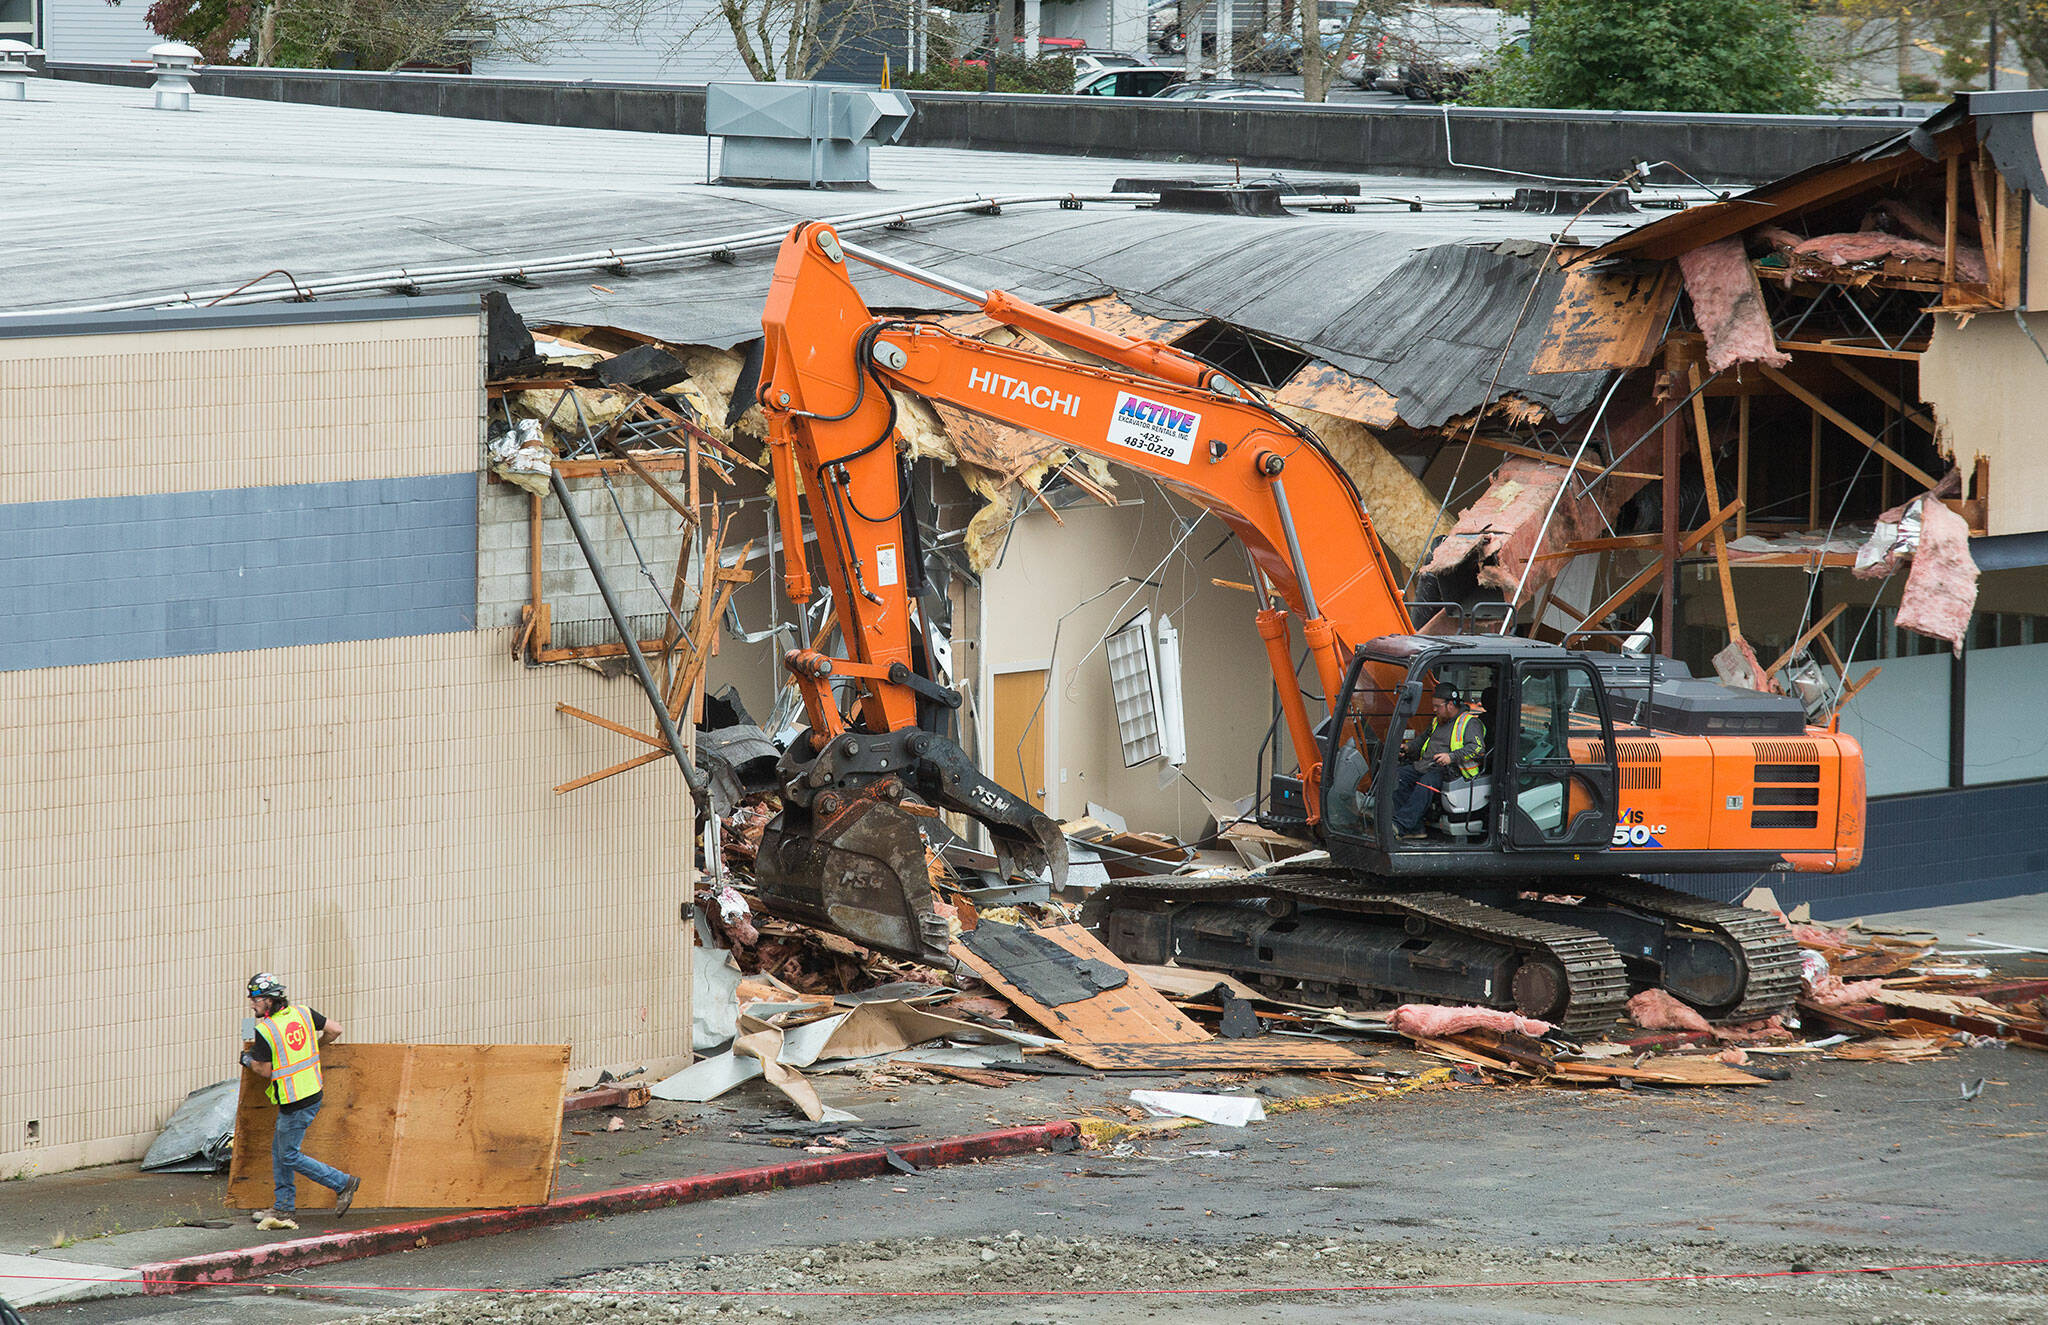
x=1785 y=819
x=1785 y=752
x=1788 y=772
x=1786 y=796
x=1638 y=752
x=1635 y=777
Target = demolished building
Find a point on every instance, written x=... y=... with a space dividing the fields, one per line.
x=1509 y=388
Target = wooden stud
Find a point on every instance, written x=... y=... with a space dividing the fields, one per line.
x=1847 y=425
x=635 y=762
x=1861 y=682
x=1649 y=572
x=1948 y=230
x=611 y=726
x=615 y=468
x=1742 y=461
x=661 y=490
x=1813 y=474
x=1713 y=484
x=1987 y=229
x=1806 y=637
x=1583 y=466
x=1891 y=398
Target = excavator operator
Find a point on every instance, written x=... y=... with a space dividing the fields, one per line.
x=1451 y=748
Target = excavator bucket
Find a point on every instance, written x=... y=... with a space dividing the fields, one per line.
x=847 y=855
x=859 y=872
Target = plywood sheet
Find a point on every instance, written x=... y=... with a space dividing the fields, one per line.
x=430 y=1126
x=1266 y=1054
x=1132 y=1013
x=1607 y=319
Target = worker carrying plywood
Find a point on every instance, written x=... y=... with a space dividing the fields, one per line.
x=287 y=1055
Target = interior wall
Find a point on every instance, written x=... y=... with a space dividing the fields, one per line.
x=1988 y=383
x=1040 y=608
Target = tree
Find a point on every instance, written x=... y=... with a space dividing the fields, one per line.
x=380 y=34
x=1684 y=55
x=1319 y=66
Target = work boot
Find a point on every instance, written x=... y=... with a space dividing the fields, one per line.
x=346 y=1196
x=258 y=1216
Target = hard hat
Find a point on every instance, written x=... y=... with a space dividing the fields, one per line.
x=265 y=985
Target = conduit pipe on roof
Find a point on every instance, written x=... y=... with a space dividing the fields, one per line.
x=599 y=259
x=403 y=278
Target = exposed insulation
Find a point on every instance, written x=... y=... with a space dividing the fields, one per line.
x=1729 y=306
x=1941 y=589
x=1656 y=1010
x=1497 y=535
x=1429 y=1022
x=1861 y=246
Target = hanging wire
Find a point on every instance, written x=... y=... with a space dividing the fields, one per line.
x=1543 y=269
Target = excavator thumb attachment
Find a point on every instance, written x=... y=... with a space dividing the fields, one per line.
x=847 y=853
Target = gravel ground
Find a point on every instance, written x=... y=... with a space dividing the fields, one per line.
x=1033 y=1279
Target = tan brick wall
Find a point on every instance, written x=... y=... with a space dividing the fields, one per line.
x=235 y=407
x=373 y=822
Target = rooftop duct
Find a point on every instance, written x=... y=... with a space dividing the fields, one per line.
x=174 y=62
x=14 y=70
x=813 y=135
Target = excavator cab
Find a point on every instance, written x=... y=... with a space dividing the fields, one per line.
x=1532 y=769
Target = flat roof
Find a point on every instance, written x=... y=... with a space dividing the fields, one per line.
x=107 y=200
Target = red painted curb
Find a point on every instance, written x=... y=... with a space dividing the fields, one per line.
x=242 y=1263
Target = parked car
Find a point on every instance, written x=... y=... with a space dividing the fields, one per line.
x=1089 y=62
x=1431 y=52
x=1227 y=89
x=1143 y=81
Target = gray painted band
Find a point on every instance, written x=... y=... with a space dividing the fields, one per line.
x=112 y=579
x=15 y=326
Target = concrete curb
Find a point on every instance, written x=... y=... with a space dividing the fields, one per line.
x=229 y=1267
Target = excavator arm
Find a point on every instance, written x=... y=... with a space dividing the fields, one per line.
x=828 y=362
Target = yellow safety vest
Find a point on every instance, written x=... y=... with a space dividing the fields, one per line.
x=294 y=1055
x=1467 y=763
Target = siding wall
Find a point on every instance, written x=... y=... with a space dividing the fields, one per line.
x=368 y=814
x=96 y=30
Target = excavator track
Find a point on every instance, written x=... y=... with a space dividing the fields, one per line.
x=1770 y=955
x=1595 y=983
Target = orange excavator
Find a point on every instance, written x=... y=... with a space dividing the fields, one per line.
x=1524 y=891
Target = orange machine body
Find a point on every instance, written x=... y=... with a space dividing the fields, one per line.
x=1684 y=802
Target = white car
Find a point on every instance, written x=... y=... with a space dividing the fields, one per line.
x=1088 y=62
x=1219 y=89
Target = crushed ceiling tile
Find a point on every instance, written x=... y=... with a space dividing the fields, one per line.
x=1330 y=390
x=1737 y=665
x=1729 y=306
x=1607 y=318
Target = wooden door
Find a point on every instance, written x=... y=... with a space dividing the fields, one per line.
x=1017 y=750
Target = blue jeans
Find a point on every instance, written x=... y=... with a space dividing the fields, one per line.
x=287 y=1161
x=1412 y=793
